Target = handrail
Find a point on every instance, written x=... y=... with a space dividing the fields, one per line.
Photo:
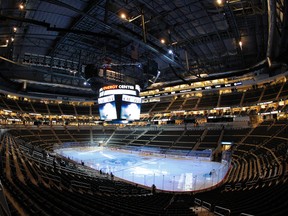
x=221 y=208
x=206 y=205
x=244 y=214
x=197 y=201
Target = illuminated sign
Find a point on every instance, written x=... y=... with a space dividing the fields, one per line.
x=131 y=87
x=131 y=99
x=119 y=89
x=106 y=99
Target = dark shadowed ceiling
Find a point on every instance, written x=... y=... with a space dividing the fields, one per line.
x=56 y=46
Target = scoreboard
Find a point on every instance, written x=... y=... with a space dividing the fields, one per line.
x=119 y=102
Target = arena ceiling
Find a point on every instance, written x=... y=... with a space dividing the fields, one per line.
x=66 y=48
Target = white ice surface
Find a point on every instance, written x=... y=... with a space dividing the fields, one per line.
x=167 y=173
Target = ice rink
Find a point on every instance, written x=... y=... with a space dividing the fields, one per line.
x=166 y=172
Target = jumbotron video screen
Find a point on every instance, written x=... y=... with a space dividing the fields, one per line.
x=119 y=103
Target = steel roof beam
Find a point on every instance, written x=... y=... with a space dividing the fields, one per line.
x=150 y=47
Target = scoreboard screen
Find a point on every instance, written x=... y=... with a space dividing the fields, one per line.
x=130 y=107
x=107 y=108
x=119 y=103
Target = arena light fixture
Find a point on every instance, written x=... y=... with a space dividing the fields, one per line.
x=5 y=45
x=219 y=2
x=124 y=17
x=21 y=6
x=35 y=114
x=14 y=119
x=141 y=15
x=8 y=111
x=240 y=44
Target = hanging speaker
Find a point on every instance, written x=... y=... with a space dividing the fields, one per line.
x=91 y=70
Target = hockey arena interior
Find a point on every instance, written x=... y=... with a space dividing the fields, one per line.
x=137 y=107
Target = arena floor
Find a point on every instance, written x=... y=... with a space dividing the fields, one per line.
x=166 y=172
